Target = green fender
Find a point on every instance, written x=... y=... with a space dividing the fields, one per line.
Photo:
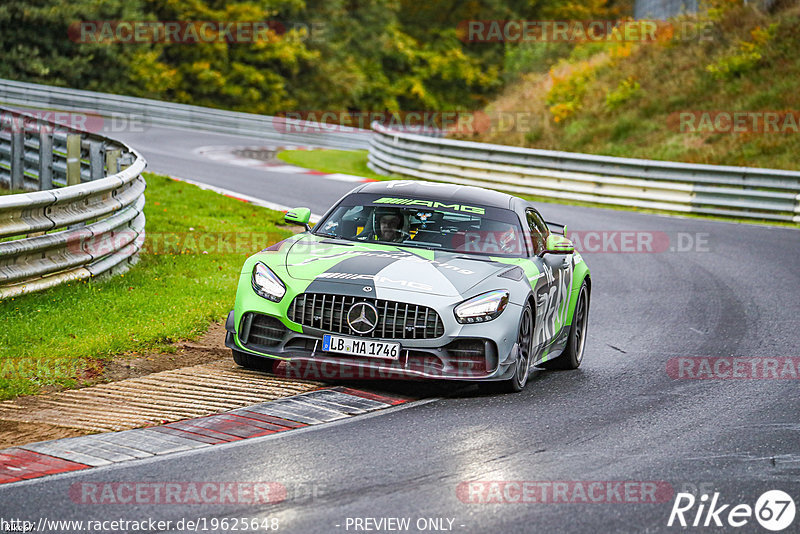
x=580 y=274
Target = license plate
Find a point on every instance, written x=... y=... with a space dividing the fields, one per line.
x=361 y=347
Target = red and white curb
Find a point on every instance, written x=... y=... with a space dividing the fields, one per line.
x=233 y=156
x=72 y=454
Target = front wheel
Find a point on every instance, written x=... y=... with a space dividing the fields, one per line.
x=572 y=356
x=522 y=364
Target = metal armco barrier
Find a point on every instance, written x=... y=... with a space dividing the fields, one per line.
x=155 y=112
x=85 y=214
x=741 y=192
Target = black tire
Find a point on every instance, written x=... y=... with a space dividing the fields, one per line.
x=522 y=366
x=572 y=356
x=248 y=361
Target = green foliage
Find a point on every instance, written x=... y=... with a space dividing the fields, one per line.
x=533 y=57
x=719 y=9
x=566 y=94
x=744 y=56
x=368 y=55
x=542 y=55
x=372 y=55
x=626 y=91
x=36 y=47
x=376 y=60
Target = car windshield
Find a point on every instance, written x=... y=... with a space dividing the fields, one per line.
x=424 y=223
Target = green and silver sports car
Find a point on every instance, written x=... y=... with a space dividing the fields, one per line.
x=417 y=280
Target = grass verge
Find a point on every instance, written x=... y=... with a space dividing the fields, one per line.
x=186 y=278
x=332 y=161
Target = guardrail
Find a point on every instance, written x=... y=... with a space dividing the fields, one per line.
x=741 y=192
x=85 y=215
x=155 y=112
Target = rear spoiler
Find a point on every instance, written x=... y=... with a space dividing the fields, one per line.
x=555 y=228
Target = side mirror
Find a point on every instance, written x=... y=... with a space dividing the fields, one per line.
x=557 y=244
x=299 y=216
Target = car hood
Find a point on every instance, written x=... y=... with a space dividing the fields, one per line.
x=329 y=263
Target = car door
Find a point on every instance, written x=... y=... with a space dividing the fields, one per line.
x=552 y=290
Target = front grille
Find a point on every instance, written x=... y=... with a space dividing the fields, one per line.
x=396 y=320
x=263 y=330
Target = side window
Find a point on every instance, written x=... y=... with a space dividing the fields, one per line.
x=538 y=230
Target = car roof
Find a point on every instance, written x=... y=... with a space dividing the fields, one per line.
x=440 y=191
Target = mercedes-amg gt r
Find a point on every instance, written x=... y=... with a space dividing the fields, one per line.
x=417 y=279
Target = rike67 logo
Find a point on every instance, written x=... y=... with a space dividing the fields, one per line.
x=774 y=510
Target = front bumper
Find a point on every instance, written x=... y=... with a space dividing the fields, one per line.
x=472 y=354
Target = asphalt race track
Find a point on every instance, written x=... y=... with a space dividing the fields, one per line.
x=735 y=292
x=171 y=152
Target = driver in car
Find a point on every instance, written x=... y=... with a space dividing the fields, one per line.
x=390 y=226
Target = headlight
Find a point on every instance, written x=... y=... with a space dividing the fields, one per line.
x=267 y=284
x=484 y=307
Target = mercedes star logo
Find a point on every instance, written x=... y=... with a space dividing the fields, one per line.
x=362 y=317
